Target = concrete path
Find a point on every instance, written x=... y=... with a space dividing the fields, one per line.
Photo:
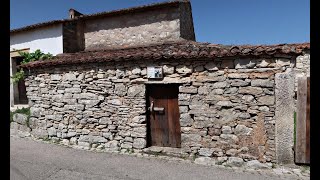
x=34 y=160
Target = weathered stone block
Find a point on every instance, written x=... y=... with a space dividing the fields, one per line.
x=225 y=103
x=232 y=152
x=185 y=120
x=219 y=85
x=188 y=90
x=244 y=115
x=139 y=132
x=238 y=76
x=226 y=130
x=214 y=131
x=52 y=131
x=250 y=90
x=116 y=102
x=40 y=133
x=229 y=137
x=126 y=145
x=71 y=134
x=282 y=62
x=84 y=145
x=238 y=83
x=190 y=138
x=139 y=143
x=72 y=90
x=266 y=100
x=69 y=77
x=136 y=70
x=88 y=103
x=35 y=112
x=55 y=77
x=112 y=145
x=203 y=90
x=183 y=109
x=168 y=69
x=183 y=69
x=262 y=83
x=242 y=130
x=136 y=91
x=55 y=117
x=235 y=162
x=78 y=107
x=204 y=161
x=207 y=152
x=90 y=96
x=20 y=118
x=247 y=98
x=184 y=97
x=255 y=164
x=120 y=90
x=92 y=139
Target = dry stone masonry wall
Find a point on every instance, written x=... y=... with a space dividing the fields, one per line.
x=227 y=107
x=302 y=67
x=133 y=29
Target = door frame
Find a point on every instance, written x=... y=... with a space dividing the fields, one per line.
x=147 y=86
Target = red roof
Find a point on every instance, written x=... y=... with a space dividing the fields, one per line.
x=171 y=50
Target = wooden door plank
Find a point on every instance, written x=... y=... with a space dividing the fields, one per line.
x=300 y=148
x=308 y=123
x=162 y=121
x=174 y=123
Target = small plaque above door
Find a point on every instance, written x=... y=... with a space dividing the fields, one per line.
x=154 y=72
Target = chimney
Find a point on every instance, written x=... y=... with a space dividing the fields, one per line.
x=74 y=14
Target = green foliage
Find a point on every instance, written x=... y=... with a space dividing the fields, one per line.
x=29 y=57
x=25 y=111
x=11 y=116
x=17 y=76
x=35 y=56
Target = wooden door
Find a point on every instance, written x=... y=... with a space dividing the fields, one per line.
x=302 y=144
x=22 y=92
x=163 y=116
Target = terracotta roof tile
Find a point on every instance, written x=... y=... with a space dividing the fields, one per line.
x=170 y=50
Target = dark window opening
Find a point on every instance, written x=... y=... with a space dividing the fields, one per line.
x=20 y=92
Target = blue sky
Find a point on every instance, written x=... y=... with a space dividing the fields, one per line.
x=215 y=21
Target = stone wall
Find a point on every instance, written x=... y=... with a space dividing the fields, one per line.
x=302 y=67
x=136 y=29
x=227 y=107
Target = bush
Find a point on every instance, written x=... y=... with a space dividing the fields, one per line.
x=17 y=76
x=29 y=57
x=35 y=56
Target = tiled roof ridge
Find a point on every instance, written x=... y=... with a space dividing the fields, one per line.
x=171 y=50
x=104 y=13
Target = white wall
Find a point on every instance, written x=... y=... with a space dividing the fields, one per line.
x=47 y=39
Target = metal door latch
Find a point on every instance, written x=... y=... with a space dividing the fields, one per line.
x=151 y=107
x=160 y=109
